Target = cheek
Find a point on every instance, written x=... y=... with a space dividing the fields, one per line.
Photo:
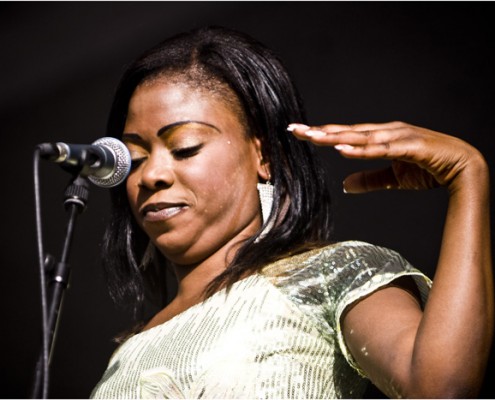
x=209 y=167
x=227 y=170
x=228 y=182
x=132 y=194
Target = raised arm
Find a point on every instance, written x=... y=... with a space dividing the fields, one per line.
x=442 y=351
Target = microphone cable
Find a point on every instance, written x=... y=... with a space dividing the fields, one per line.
x=42 y=369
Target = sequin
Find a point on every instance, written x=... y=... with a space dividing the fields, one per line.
x=273 y=335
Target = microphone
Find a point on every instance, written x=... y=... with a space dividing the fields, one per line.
x=106 y=162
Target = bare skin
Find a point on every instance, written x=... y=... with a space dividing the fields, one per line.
x=443 y=350
x=193 y=191
x=192 y=188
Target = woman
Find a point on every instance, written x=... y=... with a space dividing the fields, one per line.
x=225 y=192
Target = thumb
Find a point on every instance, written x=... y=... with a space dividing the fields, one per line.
x=371 y=180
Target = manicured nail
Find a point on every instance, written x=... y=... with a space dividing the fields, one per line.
x=291 y=127
x=343 y=147
x=315 y=134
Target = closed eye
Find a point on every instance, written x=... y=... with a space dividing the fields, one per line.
x=136 y=162
x=186 y=152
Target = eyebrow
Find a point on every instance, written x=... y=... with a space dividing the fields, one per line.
x=167 y=128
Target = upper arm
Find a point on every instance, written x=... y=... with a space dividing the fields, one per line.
x=380 y=332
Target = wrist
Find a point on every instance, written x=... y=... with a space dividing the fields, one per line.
x=473 y=177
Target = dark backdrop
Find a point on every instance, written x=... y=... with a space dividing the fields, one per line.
x=430 y=64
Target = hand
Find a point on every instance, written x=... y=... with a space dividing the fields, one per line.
x=421 y=158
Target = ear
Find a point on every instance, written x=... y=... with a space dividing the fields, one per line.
x=263 y=165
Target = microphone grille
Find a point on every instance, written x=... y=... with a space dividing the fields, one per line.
x=122 y=163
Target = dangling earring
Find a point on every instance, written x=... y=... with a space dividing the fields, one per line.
x=265 y=192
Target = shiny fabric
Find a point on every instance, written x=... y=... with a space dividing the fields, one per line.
x=273 y=335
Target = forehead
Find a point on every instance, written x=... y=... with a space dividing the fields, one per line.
x=197 y=82
x=163 y=102
x=171 y=98
x=190 y=87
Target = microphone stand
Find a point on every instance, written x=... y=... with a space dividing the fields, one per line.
x=76 y=198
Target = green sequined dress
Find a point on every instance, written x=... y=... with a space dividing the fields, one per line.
x=274 y=335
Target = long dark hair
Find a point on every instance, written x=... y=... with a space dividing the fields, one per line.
x=270 y=102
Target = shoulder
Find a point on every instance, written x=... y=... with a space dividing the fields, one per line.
x=350 y=254
x=344 y=271
x=323 y=282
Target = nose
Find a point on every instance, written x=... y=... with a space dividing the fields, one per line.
x=157 y=172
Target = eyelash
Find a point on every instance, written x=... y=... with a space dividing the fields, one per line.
x=186 y=152
x=179 y=154
x=136 y=162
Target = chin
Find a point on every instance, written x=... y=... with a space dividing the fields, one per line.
x=181 y=254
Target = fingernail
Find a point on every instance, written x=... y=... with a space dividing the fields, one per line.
x=291 y=127
x=315 y=134
x=343 y=147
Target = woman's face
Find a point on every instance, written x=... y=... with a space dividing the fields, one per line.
x=192 y=187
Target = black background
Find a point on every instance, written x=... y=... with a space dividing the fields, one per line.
x=430 y=64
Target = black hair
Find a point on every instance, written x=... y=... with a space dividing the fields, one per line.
x=270 y=101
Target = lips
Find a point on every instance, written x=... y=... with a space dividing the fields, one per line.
x=161 y=211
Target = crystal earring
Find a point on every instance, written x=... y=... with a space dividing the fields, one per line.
x=265 y=192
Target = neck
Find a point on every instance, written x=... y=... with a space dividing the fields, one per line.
x=194 y=279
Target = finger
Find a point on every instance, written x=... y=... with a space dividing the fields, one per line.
x=341 y=128
x=364 y=137
x=361 y=127
x=299 y=130
x=384 y=150
x=332 y=135
x=371 y=180
x=333 y=128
